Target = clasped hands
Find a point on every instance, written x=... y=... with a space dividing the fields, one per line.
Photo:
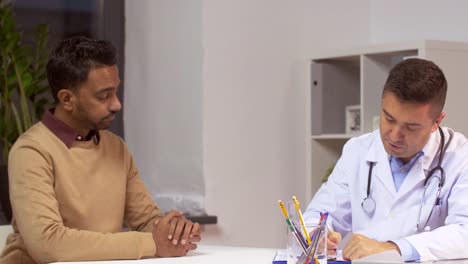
x=358 y=246
x=174 y=235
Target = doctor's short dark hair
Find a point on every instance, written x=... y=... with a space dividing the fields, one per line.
x=73 y=58
x=418 y=80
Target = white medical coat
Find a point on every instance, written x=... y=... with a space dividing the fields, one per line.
x=396 y=213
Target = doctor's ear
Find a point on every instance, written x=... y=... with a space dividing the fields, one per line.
x=66 y=98
x=438 y=120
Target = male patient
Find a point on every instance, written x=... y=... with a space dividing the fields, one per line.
x=73 y=184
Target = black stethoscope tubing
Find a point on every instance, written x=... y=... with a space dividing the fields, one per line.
x=368 y=203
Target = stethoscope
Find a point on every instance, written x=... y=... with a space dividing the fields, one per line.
x=368 y=203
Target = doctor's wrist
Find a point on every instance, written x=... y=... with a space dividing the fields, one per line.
x=391 y=245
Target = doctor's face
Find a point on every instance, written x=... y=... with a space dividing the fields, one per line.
x=405 y=127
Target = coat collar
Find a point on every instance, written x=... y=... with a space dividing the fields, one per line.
x=377 y=151
x=417 y=173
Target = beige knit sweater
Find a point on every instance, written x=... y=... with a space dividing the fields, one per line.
x=71 y=203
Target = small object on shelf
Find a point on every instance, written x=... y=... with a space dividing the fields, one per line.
x=353 y=119
x=410 y=57
x=376 y=122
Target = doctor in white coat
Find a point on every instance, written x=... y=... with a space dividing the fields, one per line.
x=405 y=185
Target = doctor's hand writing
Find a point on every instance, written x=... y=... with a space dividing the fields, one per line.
x=334 y=238
x=171 y=229
x=360 y=246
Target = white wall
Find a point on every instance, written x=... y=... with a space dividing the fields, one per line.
x=254 y=78
x=401 y=20
x=163 y=99
x=253 y=72
x=232 y=108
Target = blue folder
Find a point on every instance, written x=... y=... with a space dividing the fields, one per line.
x=280 y=259
x=329 y=262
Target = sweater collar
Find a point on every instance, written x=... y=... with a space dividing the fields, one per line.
x=65 y=133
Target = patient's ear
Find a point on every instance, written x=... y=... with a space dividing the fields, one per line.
x=66 y=98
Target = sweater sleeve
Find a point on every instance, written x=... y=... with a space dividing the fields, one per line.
x=36 y=212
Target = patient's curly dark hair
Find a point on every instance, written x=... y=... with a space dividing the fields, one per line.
x=72 y=60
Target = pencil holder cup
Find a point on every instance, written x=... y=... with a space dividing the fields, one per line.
x=295 y=250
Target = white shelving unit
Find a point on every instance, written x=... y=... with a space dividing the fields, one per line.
x=356 y=77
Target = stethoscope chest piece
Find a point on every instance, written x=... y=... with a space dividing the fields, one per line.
x=368 y=205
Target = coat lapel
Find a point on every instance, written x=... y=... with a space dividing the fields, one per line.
x=415 y=178
x=381 y=174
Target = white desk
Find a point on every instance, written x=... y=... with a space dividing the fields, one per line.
x=230 y=255
x=208 y=255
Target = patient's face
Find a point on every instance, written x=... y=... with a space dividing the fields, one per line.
x=96 y=99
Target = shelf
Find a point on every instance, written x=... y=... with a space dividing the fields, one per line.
x=382 y=48
x=335 y=86
x=333 y=136
x=355 y=77
x=204 y=219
